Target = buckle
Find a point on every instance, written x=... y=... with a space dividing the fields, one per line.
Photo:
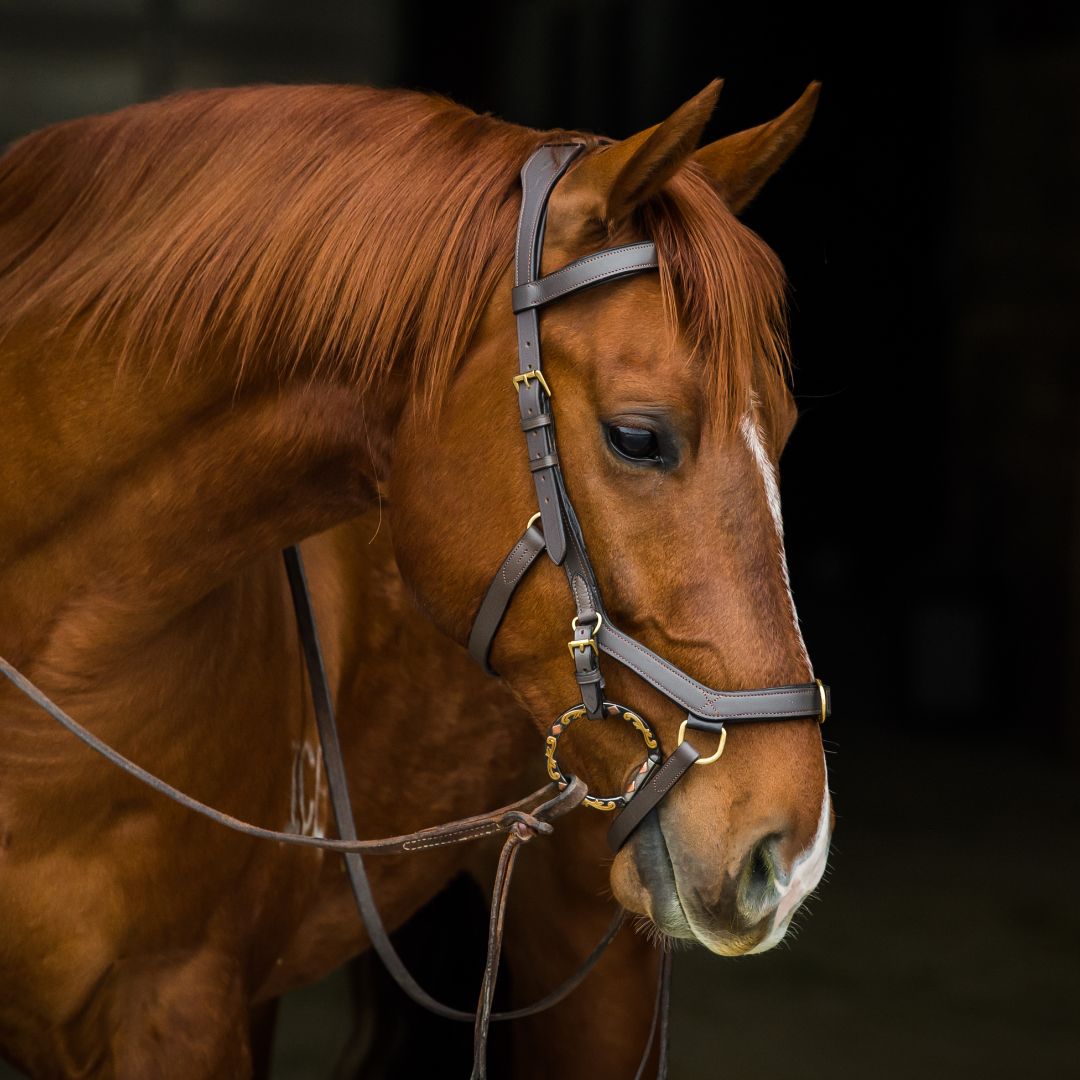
x=521 y=381
x=585 y=643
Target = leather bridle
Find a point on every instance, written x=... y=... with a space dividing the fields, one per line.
x=561 y=536
x=593 y=633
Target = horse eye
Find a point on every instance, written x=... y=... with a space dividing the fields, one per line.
x=637 y=444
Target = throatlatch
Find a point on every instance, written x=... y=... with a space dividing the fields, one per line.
x=560 y=535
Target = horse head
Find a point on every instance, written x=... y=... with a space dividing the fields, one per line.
x=670 y=399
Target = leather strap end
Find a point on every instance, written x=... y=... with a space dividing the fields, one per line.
x=651 y=795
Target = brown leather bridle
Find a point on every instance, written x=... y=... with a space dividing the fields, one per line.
x=707 y=709
x=561 y=536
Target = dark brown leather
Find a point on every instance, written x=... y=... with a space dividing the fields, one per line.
x=538 y=176
x=659 y=1023
x=607 y=265
x=651 y=794
x=728 y=706
x=499 y=594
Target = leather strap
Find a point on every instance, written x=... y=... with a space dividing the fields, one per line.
x=499 y=594
x=607 y=265
x=538 y=176
x=649 y=796
x=659 y=1022
x=703 y=703
x=337 y=783
x=471 y=828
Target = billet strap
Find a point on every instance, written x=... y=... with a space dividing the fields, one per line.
x=607 y=265
x=538 y=176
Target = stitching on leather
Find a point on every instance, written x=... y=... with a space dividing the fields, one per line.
x=581 y=593
x=546 y=297
x=663 y=789
x=606 y=254
x=457 y=838
x=712 y=698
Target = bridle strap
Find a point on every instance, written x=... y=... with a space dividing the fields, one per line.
x=651 y=794
x=707 y=709
x=500 y=592
x=538 y=176
x=607 y=265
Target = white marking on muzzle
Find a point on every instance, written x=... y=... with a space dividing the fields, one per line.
x=804 y=879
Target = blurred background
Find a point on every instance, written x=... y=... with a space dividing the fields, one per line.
x=929 y=226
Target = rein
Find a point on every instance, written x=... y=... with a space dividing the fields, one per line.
x=593 y=632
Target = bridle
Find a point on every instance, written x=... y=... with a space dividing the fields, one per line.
x=593 y=633
x=561 y=536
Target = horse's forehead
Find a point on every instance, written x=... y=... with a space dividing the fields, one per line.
x=620 y=341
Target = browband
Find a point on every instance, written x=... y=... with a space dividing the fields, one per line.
x=559 y=532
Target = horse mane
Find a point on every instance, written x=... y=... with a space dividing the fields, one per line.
x=338 y=230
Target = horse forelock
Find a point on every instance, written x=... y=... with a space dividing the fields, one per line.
x=726 y=291
x=339 y=231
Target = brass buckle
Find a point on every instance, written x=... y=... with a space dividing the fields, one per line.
x=588 y=643
x=522 y=380
x=824 y=701
x=640 y=774
x=704 y=760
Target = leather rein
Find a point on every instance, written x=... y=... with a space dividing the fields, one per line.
x=594 y=633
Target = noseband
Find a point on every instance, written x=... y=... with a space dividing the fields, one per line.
x=561 y=536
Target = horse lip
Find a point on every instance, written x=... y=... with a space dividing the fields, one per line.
x=657 y=873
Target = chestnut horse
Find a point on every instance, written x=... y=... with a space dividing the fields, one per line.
x=235 y=319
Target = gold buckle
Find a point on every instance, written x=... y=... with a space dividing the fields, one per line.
x=588 y=643
x=703 y=760
x=824 y=701
x=522 y=380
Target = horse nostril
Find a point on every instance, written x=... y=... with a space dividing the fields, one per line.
x=760 y=867
x=758 y=891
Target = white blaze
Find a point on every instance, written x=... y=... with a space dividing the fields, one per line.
x=755 y=443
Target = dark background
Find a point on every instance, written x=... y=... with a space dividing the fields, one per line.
x=929 y=226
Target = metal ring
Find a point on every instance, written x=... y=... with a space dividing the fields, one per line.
x=596 y=628
x=535 y=518
x=824 y=701
x=613 y=711
x=719 y=749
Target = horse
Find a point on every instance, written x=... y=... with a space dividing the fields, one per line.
x=235 y=320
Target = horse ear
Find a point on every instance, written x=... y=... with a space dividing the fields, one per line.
x=741 y=163
x=622 y=176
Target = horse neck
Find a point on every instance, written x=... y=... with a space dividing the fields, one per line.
x=129 y=496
